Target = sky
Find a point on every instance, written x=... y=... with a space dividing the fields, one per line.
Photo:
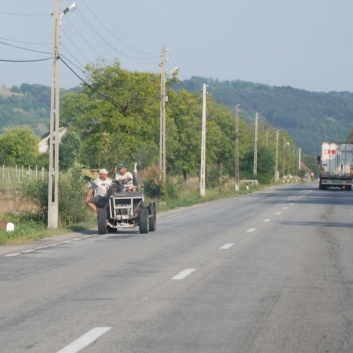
x=305 y=44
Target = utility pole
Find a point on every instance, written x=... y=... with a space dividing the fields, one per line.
x=53 y=185
x=255 y=145
x=276 y=162
x=237 y=182
x=203 y=143
x=54 y=137
x=299 y=158
x=164 y=99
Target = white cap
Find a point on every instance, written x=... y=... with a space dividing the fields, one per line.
x=103 y=171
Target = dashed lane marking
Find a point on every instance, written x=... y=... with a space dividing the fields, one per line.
x=85 y=340
x=183 y=274
x=226 y=246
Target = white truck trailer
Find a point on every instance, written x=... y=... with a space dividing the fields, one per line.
x=336 y=165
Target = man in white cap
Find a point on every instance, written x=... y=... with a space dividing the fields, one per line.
x=98 y=191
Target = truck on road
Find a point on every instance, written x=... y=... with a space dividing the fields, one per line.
x=336 y=165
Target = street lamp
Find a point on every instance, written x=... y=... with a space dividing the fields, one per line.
x=54 y=138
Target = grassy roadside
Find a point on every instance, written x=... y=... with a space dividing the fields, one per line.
x=27 y=230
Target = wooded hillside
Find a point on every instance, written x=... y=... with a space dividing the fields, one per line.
x=309 y=117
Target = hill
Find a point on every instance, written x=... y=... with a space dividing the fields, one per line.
x=27 y=105
x=309 y=117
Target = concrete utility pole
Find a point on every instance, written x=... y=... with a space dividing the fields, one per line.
x=276 y=162
x=53 y=187
x=54 y=138
x=237 y=182
x=164 y=99
x=255 y=144
x=285 y=144
x=299 y=158
x=203 y=143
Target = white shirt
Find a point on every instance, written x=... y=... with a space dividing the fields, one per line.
x=101 y=187
x=120 y=177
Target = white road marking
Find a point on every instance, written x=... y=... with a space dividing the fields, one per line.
x=14 y=254
x=226 y=246
x=251 y=230
x=85 y=340
x=42 y=247
x=183 y=274
x=277 y=213
x=267 y=219
x=285 y=207
x=27 y=251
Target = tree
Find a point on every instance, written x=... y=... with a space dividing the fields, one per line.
x=69 y=149
x=349 y=138
x=19 y=146
x=117 y=116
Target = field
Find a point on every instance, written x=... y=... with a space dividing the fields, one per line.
x=10 y=178
x=10 y=181
x=5 y=92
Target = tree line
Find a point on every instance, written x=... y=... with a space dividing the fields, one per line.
x=115 y=118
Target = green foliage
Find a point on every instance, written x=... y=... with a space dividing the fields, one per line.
x=27 y=226
x=72 y=209
x=309 y=117
x=69 y=149
x=152 y=185
x=71 y=196
x=311 y=163
x=119 y=118
x=27 y=105
x=265 y=165
x=349 y=137
x=19 y=146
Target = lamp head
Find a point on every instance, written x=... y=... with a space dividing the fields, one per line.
x=71 y=8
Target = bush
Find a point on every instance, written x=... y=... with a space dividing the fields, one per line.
x=153 y=187
x=72 y=208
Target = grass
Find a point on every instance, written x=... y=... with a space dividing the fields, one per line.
x=10 y=178
x=29 y=227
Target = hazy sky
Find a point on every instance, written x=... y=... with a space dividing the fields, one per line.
x=306 y=44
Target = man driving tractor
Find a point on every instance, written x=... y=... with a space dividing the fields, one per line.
x=126 y=177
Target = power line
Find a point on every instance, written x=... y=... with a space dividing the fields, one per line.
x=109 y=31
x=22 y=48
x=23 y=14
x=24 y=61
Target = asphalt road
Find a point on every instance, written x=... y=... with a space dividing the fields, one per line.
x=270 y=272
